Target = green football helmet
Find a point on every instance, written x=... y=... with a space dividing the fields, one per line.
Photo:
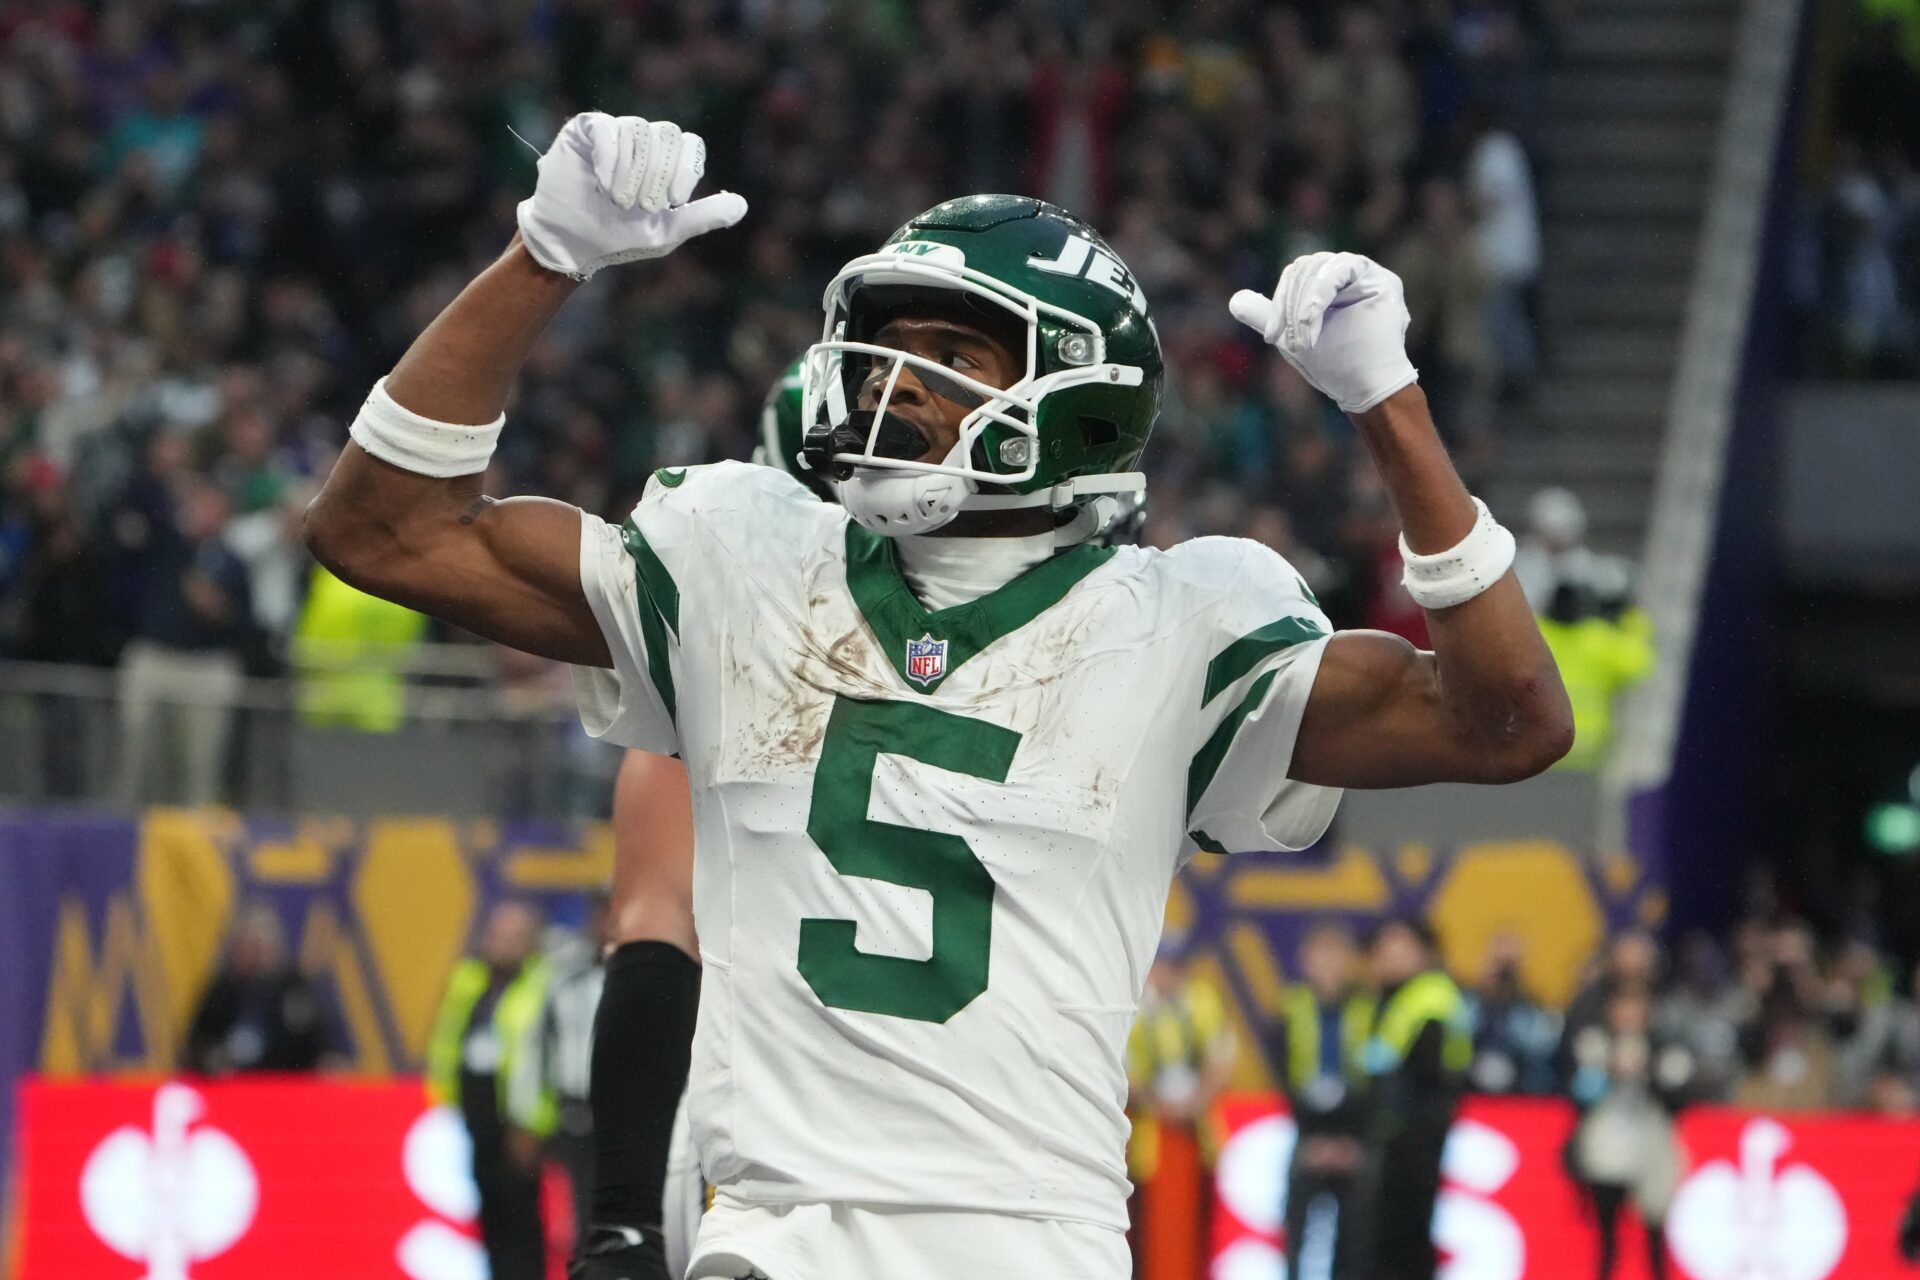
x=1066 y=435
x=780 y=432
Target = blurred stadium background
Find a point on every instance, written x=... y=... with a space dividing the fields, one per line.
x=1663 y=258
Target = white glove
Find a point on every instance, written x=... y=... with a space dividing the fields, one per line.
x=1341 y=320
x=615 y=190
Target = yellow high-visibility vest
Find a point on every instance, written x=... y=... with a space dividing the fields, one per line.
x=1426 y=997
x=1302 y=1013
x=350 y=650
x=1183 y=1030
x=1597 y=659
x=516 y=1018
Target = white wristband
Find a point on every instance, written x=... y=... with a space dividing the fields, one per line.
x=421 y=445
x=1463 y=571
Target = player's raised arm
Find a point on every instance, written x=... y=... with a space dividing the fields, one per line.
x=1487 y=704
x=402 y=515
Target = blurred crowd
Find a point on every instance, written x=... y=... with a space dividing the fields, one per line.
x=1374 y=1043
x=1773 y=1019
x=220 y=222
x=1857 y=244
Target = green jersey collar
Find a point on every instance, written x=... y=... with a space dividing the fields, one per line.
x=925 y=646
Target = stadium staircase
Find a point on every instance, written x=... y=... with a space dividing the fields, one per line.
x=1624 y=154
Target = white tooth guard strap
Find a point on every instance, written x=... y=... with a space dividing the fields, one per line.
x=1458 y=574
x=412 y=443
x=1059 y=495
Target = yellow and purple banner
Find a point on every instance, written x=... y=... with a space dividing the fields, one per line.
x=111 y=928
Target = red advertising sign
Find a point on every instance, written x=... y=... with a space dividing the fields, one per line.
x=1764 y=1198
x=243 y=1179
x=342 y=1181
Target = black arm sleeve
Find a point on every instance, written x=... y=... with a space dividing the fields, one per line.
x=642 y=1043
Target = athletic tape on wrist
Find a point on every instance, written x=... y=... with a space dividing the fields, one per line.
x=1463 y=571
x=421 y=445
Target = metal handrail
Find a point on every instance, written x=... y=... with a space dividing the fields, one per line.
x=438 y=703
x=67 y=738
x=435 y=659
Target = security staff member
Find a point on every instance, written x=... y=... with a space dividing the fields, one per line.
x=1416 y=1057
x=548 y=1092
x=1317 y=1048
x=487 y=1018
x=1179 y=1055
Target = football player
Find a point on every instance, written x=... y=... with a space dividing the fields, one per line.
x=942 y=771
x=649 y=1184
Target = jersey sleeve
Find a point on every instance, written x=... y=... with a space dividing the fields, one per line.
x=633 y=575
x=1264 y=652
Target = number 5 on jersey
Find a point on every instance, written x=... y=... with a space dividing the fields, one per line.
x=844 y=977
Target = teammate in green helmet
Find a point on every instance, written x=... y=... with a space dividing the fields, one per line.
x=781 y=432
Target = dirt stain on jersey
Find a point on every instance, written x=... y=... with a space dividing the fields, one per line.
x=841 y=666
x=787 y=734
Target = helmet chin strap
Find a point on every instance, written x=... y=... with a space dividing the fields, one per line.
x=1060 y=495
x=906 y=503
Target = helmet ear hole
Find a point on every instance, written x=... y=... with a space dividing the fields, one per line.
x=1099 y=432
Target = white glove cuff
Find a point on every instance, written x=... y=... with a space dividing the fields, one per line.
x=543 y=247
x=421 y=445
x=1463 y=571
x=1397 y=378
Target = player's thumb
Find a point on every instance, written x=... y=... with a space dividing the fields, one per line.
x=1254 y=310
x=709 y=213
x=1310 y=312
x=689 y=167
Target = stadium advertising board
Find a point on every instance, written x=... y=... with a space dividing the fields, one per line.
x=241 y=1179
x=344 y=1180
x=1765 y=1198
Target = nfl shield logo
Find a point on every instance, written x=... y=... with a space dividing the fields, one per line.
x=926 y=659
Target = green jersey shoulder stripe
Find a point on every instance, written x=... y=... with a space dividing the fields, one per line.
x=1250 y=650
x=1207 y=762
x=659 y=613
x=656 y=584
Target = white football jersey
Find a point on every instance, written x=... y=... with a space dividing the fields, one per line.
x=933 y=849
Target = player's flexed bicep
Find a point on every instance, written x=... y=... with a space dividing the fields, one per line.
x=402 y=516
x=508 y=570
